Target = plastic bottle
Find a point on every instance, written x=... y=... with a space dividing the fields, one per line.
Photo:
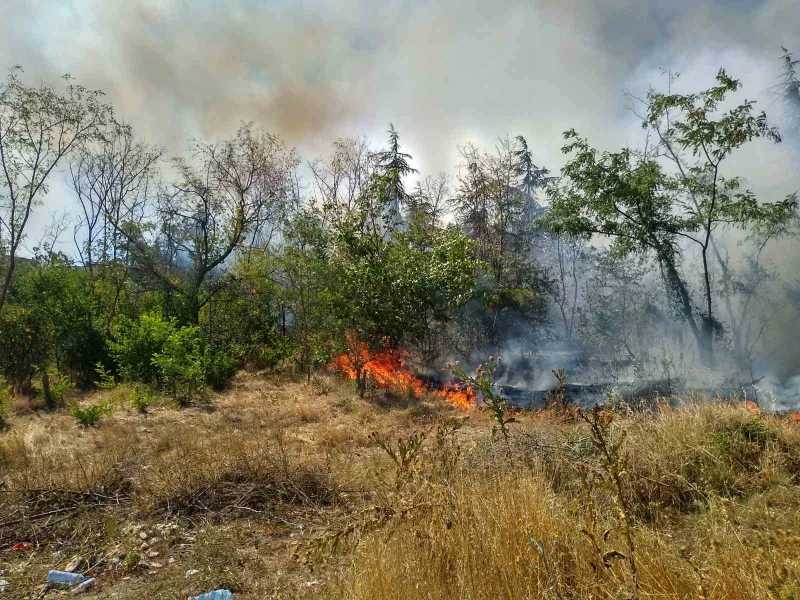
x=83 y=586
x=215 y=595
x=64 y=578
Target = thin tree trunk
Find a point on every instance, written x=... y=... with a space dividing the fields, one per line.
x=48 y=397
x=708 y=328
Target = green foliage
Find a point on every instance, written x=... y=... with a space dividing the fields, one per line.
x=91 y=414
x=246 y=315
x=58 y=384
x=649 y=210
x=141 y=397
x=136 y=342
x=496 y=405
x=62 y=302
x=24 y=346
x=396 y=288
x=5 y=401
x=180 y=364
x=219 y=368
x=105 y=379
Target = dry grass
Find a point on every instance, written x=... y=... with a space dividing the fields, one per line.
x=281 y=469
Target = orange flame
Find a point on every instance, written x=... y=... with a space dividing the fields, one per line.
x=388 y=369
x=462 y=397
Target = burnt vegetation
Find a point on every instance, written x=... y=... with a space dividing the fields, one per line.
x=344 y=378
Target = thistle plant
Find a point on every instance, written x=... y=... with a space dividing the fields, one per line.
x=497 y=406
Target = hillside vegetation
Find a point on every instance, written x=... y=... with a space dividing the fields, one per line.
x=292 y=490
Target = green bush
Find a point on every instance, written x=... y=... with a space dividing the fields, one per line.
x=219 y=368
x=5 y=400
x=141 y=397
x=180 y=364
x=58 y=385
x=23 y=346
x=105 y=378
x=89 y=416
x=137 y=342
x=61 y=299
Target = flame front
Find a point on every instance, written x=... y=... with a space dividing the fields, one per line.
x=388 y=369
x=460 y=396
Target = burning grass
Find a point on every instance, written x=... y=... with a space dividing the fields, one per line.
x=388 y=369
x=401 y=500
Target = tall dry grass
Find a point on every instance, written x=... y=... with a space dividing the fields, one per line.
x=282 y=469
x=714 y=492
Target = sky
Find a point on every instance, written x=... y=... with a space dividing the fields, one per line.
x=444 y=72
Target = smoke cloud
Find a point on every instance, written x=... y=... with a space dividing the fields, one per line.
x=443 y=72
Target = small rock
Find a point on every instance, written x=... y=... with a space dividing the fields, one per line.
x=156 y=565
x=144 y=546
x=153 y=541
x=191 y=572
x=143 y=535
x=171 y=560
x=152 y=554
x=3 y=585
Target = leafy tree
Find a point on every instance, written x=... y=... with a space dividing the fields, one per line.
x=136 y=342
x=629 y=196
x=181 y=365
x=24 y=346
x=39 y=126
x=303 y=266
x=62 y=302
x=389 y=291
x=245 y=320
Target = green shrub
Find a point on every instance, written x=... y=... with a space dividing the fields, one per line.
x=5 y=400
x=61 y=299
x=181 y=366
x=219 y=368
x=141 y=397
x=136 y=343
x=23 y=346
x=89 y=416
x=275 y=353
x=58 y=385
x=105 y=379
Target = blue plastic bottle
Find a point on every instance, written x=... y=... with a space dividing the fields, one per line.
x=65 y=578
x=215 y=595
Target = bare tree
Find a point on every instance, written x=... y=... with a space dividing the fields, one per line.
x=341 y=182
x=222 y=195
x=569 y=256
x=39 y=126
x=430 y=199
x=112 y=181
